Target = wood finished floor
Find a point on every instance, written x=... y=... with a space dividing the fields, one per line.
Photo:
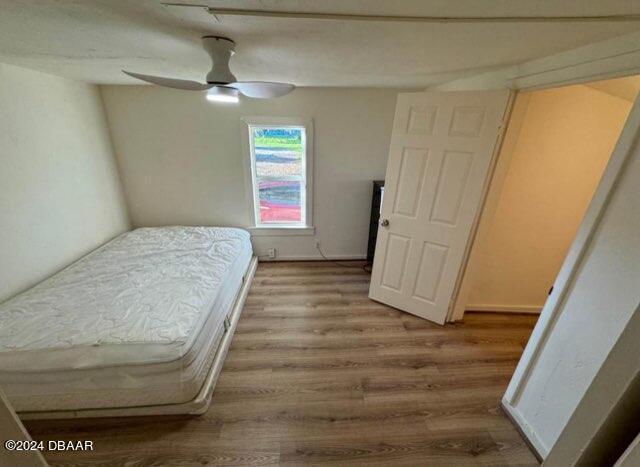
x=319 y=374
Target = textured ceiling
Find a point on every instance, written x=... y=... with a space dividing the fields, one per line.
x=92 y=40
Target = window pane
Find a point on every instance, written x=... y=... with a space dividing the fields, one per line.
x=280 y=173
x=280 y=201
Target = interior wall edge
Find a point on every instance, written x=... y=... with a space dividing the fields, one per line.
x=552 y=371
x=605 y=420
x=512 y=131
x=528 y=433
x=116 y=159
x=60 y=193
x=631 y=457
x=588 y=85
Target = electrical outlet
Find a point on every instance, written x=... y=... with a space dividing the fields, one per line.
x=272 y=253
x=317 y=243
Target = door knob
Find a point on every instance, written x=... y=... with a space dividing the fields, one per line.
x=384 y=222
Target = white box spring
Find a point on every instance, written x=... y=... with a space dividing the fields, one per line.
x=136 y=322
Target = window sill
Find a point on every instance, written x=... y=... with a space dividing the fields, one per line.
x=281 y=231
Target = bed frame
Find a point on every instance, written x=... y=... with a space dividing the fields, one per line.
x=199 y=404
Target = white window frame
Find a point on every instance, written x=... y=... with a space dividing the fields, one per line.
x=257 y=228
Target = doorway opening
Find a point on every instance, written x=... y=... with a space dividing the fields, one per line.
x=555 y=150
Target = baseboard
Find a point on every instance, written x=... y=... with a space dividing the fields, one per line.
x=525 y=430
x=313 y=258
x=504 y=308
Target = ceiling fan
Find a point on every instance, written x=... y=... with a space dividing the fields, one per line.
x=221 y=85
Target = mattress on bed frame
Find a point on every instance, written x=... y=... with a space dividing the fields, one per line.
x=136 y=322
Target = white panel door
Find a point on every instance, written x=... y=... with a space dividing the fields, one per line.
x=441 y=149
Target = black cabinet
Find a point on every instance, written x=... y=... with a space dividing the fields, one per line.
x=376 y=202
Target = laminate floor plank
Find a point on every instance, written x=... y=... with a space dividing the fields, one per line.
x=319 y=374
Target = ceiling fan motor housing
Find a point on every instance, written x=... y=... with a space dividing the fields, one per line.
x=220 y=50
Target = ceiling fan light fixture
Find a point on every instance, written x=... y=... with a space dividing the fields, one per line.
x=223 y=94
x=221 y=85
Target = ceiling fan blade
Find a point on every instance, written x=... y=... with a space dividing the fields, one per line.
x=262 y=89
x=170 y=82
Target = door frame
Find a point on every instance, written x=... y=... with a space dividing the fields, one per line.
x=553 y=307
x=486 y=209
x=611 y=59
x=503 y=153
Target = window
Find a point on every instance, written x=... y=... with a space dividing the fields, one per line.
x=281 y=163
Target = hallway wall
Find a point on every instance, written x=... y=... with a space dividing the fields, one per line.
x=562 y=148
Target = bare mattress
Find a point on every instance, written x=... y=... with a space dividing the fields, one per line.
x=134 y=323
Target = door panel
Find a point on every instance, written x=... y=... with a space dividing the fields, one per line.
x=432 y=261
x=451 y=187
x=421 y=120
x=410 y=178
x=396 y=261
x=441 y=149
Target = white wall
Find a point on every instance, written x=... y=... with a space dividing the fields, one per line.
x=602 y=297
x=605 y=421
x=562 y=147
x=60 y=195
x=182 y=161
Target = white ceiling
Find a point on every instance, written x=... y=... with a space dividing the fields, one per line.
x=92 y=40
